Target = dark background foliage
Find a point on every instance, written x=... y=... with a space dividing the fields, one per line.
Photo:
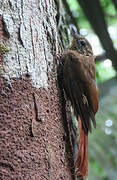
x=97 y=21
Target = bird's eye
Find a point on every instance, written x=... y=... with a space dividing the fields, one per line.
x=83 y=43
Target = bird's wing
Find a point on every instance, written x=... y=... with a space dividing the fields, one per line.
x=79 y=87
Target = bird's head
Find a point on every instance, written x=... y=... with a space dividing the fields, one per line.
x=80 y=44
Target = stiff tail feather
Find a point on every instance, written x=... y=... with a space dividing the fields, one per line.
x=81 y=164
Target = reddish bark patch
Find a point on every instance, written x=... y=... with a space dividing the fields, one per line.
x=31 y=133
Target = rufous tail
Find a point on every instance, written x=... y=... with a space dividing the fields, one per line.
x=81 y=164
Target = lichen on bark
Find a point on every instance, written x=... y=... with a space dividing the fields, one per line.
x=3 y=49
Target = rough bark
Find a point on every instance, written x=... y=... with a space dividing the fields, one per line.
x=72 y=19
x=32 y=137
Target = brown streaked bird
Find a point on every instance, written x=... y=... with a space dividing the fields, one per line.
x=78 y=72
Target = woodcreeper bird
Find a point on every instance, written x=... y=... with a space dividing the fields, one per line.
x=78 y=77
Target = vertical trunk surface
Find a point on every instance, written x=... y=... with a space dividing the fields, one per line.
x=32 y=143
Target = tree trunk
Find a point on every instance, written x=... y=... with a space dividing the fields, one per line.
x=115 y=3
x=32 y=136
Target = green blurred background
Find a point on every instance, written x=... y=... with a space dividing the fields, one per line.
x=97 y=21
